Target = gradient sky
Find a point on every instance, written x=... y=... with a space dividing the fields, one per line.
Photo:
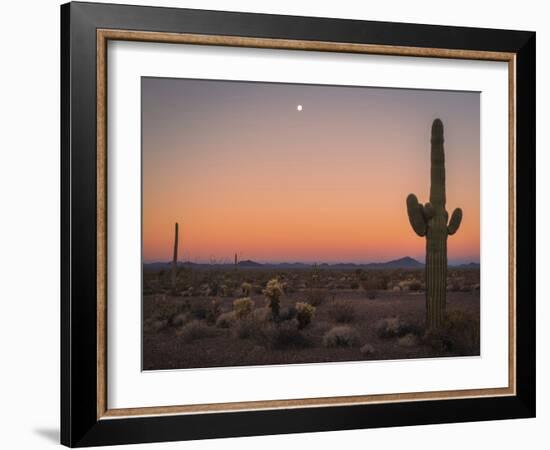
x=243 y=171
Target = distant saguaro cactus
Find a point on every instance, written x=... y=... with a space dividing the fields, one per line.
x=175 y=259
x=430 y=220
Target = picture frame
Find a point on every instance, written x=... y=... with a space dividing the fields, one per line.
x=86 y=418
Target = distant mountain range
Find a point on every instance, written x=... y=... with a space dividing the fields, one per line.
x=402 y=263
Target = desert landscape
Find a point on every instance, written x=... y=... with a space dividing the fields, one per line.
x=278 y=233
x=221 y=315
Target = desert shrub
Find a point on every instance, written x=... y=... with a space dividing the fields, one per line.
x=193 y=330
x=354 y=285
x=341 y=336
x=199 y=312
x=248 y=327
x=282 y=335
x=415 y=286
x=459 y=335
x=342 y=311
x=316 y=296
x=154 y=325
x=389 y=327
x=367 y=349
x=304 y=314
x=179 y=319
x=408 y=340
x=213 y=312
x=226 y=320
x=243 y=307
x=273 y=292
x=246 y=289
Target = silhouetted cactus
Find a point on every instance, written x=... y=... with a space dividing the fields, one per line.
x=431 y=220
x=175 y=259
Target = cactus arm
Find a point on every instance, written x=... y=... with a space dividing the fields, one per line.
x=416 y=215
x=454 y=223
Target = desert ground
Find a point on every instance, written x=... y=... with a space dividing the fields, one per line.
x=348 y=315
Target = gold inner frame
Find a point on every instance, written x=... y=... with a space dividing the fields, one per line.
x=103 y=36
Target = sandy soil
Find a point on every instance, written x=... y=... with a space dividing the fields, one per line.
x=165 y=349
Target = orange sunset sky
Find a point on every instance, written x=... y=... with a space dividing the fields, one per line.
x=244 y=171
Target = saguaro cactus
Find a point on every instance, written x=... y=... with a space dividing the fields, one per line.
x=430 y=220
x=175 y=258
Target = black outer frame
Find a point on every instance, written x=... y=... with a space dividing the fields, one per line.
x=79 y=424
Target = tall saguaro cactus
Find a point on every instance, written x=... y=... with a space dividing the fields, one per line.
x=175 y=258
x=430 y=220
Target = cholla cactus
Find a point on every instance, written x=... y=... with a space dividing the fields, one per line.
x=431 y=220
x=246 y=289
x=273 y=292
x=304 y=314
x=242 y=307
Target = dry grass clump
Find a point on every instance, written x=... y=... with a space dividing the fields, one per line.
x=179 y=319
x=342 y=311
x=341 y=336
x=154 y=325
x=249 y=327
x=409 y=340
x=242 y=307
x=282 y=335
x=391 y=327
x=226 y=320
x=367 y=349
x=193 y=330
x=388 y=327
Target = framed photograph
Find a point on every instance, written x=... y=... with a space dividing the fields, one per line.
x=277 y=224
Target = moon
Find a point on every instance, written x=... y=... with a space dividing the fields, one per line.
x=299 y=107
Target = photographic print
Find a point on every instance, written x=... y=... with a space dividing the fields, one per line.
x=293 y=223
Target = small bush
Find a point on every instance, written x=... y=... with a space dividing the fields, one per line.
x=459 y=335
x=282 y=335
x=342 y=311
x=179 y=319
x=316 y=296
x=243 y=307
x=354 y=285
x=304 y=314
x=194 y=330
x=248 y=327
x=199 y=312
x=154 y=325
x=415 y=286
x=226 y=320
x=409 y=340
x=388 y=327
x=341 y=336
x=367 y=349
